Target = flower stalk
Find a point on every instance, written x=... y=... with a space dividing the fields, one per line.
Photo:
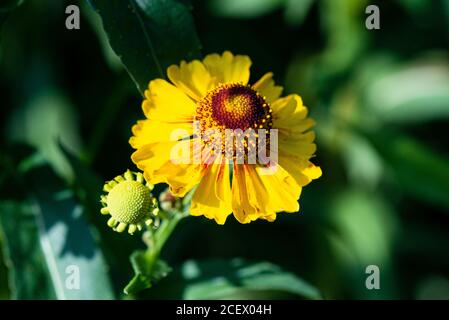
x=159 y=237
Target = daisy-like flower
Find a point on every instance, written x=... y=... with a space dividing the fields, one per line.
x=213 y=95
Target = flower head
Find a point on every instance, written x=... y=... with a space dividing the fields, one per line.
x=129 y=202
x=209 y=128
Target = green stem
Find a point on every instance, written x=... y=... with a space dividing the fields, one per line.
x=163 y=233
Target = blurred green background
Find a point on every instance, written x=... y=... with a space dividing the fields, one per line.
x=381 y=102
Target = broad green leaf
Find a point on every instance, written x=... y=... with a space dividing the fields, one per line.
x=363 y=164
x=410 y=93
x=50 y=244
x=244 y=8
x=147 y=271
x=95 y=22
x=237 y=277
x=149 y=35
x=232 y=279
x=342 y=21
x=361 y=220
x=46 y=121
x=385 y=91
x=29 y=276
x=419 y=170
x=296 y=11
x=364 y=226
x=5 y=290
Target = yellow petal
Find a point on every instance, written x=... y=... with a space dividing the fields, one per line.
x=258 y=193
x=290 y=118
x=212 y=198
x=165 y=102
x=297 y=130
x=151 y=157
x=296 y=137
x=182 y=177
x=228 y=68
x=302 y=171
x=281 y=189
x=270 y=218
x=288 y=111
x=241 y=207
x=192 y=78
x=170 y=162
x=297 y=144
x=312 y=171
x=267 y=88
x=223 y=187
x=300 y=150
x=150 y=131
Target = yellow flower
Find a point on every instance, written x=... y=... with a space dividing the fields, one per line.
x=178 y=143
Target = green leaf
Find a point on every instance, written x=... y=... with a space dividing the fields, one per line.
x=49 y=244
x=341 y=21
x=360 y=219
x=46 y=121
x=5 y=290
x=418 y=169
x=363 y=164
x=149 y=35
x=245 y=8
x=296 y=11
x=95 y=22
x=29 y=277
x=411 y=93
x=237 y=277
x=233 y=279
x=147 y=271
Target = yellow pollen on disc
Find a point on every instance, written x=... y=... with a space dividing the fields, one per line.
x=237 y=105
x=129 y=201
